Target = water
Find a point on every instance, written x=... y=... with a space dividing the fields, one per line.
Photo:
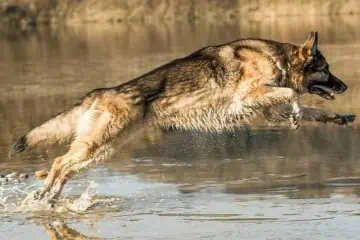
x=258 y=183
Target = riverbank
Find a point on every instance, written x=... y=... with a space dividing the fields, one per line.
x=82 y=11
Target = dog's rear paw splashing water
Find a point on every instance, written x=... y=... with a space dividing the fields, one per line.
x=12 y=200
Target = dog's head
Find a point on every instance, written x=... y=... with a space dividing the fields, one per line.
x=317 y=78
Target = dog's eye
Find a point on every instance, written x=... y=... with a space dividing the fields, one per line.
x=309 y=67
x=325 y=69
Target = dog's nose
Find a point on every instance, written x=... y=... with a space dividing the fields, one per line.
x=339 y=87
x=342 y=88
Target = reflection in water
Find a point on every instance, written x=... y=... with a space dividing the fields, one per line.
x=59 y=230
x=44 y=71
x=314 y=162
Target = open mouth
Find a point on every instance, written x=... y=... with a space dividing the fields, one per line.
x=322 y=91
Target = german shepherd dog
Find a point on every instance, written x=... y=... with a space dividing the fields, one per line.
x=212 y=89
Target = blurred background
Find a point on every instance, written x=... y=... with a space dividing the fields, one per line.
x=55 y=51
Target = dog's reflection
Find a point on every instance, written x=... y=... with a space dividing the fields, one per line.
x=59 y=230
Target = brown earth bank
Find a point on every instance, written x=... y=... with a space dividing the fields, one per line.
x=80 y=11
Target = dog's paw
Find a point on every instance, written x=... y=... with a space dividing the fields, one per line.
x=30 y=199
x=294 y=123
x=42 y=194
x=295 y=118
x=344 y=119
x=38 y=195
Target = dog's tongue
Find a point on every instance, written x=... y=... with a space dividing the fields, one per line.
x=322 y=91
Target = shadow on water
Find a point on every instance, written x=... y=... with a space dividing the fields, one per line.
x=167 y=180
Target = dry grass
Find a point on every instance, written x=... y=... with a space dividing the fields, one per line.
x=79 y=11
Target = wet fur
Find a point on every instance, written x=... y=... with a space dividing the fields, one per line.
x=211 y=90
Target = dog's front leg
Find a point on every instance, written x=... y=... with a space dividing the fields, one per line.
x=296 y=114
x=319 y=115
x=282 y=112
x=269 y=96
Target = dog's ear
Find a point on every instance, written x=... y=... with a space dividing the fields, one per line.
x=310 y=47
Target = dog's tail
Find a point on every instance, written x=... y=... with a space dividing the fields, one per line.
x=58 y=129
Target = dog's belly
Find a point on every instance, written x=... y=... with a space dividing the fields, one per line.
x=208 y=119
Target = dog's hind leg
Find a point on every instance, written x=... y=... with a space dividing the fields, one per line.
x=68 y=169
x=104 y=123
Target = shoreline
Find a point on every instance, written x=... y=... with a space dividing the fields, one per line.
x=147 y=11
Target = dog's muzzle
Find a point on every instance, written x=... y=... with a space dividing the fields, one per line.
x=329 y=88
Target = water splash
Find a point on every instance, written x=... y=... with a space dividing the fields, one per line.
x=85 y=201
x=10 y=201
